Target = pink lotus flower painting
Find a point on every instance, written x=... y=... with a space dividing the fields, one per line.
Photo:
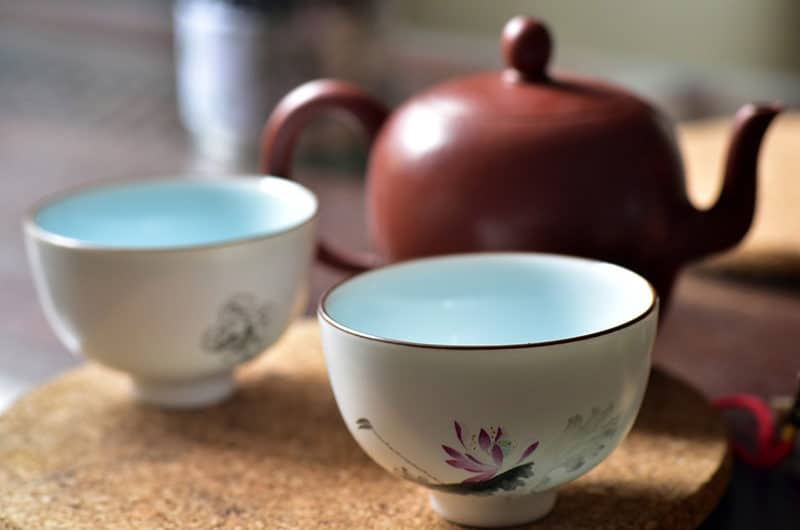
x=488 y=455
x=485 y=454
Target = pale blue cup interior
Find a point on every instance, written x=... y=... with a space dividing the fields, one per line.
x=489 y=300
x=176 y=213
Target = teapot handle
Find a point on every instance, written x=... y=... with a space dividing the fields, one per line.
x=288 y=120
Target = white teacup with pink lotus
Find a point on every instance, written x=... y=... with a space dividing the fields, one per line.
x=490 y=379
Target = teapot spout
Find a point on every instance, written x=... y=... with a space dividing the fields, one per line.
x=728 y=220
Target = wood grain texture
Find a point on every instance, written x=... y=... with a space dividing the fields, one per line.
x=78 y=454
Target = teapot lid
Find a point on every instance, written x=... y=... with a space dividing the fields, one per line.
x=525 y=91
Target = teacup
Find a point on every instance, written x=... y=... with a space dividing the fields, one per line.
x=490 y=379
x=174 y=282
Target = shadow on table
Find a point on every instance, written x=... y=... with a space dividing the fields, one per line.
x=755 y=497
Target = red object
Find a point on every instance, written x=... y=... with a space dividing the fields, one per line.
x=521 y=159
x=769 y=449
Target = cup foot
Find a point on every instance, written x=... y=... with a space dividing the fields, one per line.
x=189 y=394
x=493 y=511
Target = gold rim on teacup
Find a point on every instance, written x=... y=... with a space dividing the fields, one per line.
x=322 y=310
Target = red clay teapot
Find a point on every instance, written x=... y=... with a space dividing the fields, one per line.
x=524 y=160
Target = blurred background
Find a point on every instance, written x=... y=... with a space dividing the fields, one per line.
x=105 y=89
x=144 y=67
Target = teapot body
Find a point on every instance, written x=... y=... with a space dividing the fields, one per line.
x=522 y=160
x=439 y=183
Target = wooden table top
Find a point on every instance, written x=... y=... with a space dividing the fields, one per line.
x=71 y=113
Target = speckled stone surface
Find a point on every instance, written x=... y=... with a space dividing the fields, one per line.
x=78 y=454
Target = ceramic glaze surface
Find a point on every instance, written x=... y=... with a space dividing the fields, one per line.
x=491 y=430
x=178 y=319
x=164 y=214
x=489 y=300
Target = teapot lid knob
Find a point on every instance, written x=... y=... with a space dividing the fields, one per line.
x=526 y=47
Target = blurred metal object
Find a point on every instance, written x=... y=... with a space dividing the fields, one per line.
x=236 y=58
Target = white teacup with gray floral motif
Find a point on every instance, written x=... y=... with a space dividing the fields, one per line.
x=174 y=282
x=490 y=379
